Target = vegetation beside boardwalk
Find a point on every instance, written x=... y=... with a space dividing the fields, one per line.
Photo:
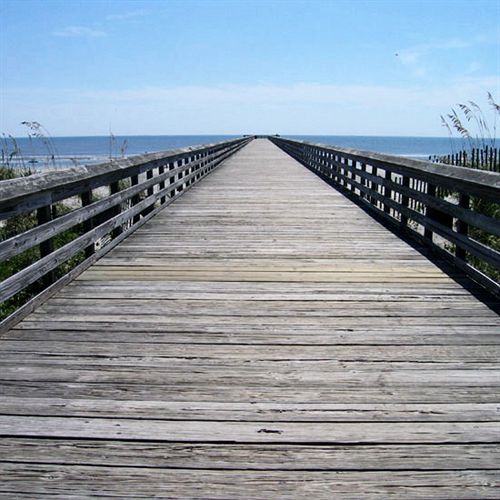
x=480 y=151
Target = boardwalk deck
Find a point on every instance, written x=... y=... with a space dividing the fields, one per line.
x=261 y=337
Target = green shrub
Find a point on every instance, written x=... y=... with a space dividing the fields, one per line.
x=472 y=125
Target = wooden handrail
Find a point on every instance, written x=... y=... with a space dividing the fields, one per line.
x=430 y=202
x=149 y=183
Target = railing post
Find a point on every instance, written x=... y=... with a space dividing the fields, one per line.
x=114 y=188
x=370 y=185
x=149 y=192
x=189 y=171
x=364 y=180
x=202 y=165
x=330 y=166
x=136 y=198
x=405 y=200
x=182 y=174
x=356 y=178
x=345 y=171
x=149 y=175
x=197 y=167
x=335 y=158
x=171 y=181
x=431 y=191
x=43 y=215
x=341 y=170
x=322 y=164
x=387 y=191
x=462 y=227
x=436 y=215
x=88 y=225
x=161 y=170
x=351 y=173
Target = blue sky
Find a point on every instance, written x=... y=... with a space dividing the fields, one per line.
x=212 y=67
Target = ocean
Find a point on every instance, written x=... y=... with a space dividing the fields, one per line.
x=62 y=152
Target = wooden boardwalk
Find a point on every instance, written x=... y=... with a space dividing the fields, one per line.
x=262 y=337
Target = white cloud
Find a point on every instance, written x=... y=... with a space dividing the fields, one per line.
x=301 y=108
x=412 y=59
x=473 y=67
x=418 y=58
x=87 y=32
x=358 y=96
x=79 y=31
x=126 y=15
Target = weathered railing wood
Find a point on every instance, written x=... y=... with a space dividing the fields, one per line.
x=151 y=181
x=409 y=194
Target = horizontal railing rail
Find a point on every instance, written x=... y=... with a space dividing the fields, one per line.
x=54 y=225
x=454 y=210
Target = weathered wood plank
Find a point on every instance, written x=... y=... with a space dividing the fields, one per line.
x=251 y=456
x=482 y=335
x=250 y=432
x=85 y=481
x=220 y=376
x=281 y=393
x=256 y=352
x=276 y=309
x=159 y=322
x=253 y=411
x=239 y=366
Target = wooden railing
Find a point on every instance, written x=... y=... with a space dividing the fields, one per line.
x=454 y=210
x=77 y=215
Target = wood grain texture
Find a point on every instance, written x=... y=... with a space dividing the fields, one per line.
x=35 y=480
x=251 y=456
x=262 y=337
